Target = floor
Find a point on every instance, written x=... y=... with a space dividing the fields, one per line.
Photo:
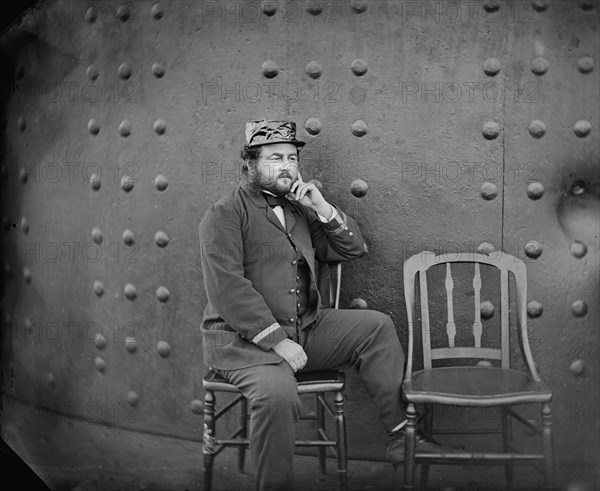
x=76 y=455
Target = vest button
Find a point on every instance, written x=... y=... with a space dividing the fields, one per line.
x=294 y=262
x=292 y=290
x=350 y=234
x=292 y=319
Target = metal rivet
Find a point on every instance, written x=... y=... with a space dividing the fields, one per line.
x=132 y=398
x=312 y=126
x=535 y=190
x=269 y=69
x=579 y=308
x=490 y=130
x=27 y=275
x=24 y=225
x=130 y=291
x=157 y=11
x=92 y=72
x=537 y=128
x=577 y=367
x=124 y=70
x=539 y=65
x=100 y=364
x=158 y=69
x=162 y=293
x=486 y=309
x=196 y=406
x=161 y=182
x=313 y=69
x=359 y=188
x=124 y=13
x=97 y=235
x=98 y=287
x=359 y=128
x=131 y=344
x=128 y=237
x=269 y=7
x=586 y=4
x=100 y=341
x=491 y=6
x=160 y=126
x=359 y=67
x=314 y=7
x=534 y=309
x=95 y=182
x=359 y=6
x=485 y=248
x=578 y=249
x=161 y=239
x=488 y=190
x=93 y=127
x=358 y=303
x=491 y=66
x=582 y=128
x=127 y=183
x=125 y=128
x=91 y=14
x=533 y=249
x=163 y=349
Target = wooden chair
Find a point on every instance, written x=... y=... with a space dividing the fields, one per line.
x=317 y=384
x=491 y=383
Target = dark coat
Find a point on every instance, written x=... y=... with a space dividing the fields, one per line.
x=249 y=266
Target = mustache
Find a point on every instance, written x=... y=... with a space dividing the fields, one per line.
x=288 y=175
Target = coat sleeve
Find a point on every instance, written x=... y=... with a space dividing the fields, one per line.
x=228 y=290
x=337 y=240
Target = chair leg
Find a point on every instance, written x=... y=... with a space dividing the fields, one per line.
x=428 y=432
x=410 y=447
x=243 y=420
x=340 y=424
x=320 y=414
x=548 y=446
x=208 y=438
x=507 y=446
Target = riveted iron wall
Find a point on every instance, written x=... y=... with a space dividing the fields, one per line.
x=437 y=125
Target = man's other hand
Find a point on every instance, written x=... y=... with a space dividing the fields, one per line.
x=292 y=353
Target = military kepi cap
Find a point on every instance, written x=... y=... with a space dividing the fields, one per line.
x=265 y=132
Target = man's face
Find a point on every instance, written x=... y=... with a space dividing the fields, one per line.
x=277 y=167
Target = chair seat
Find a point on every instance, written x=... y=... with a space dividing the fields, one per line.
x=308 y=382
x=474 y=386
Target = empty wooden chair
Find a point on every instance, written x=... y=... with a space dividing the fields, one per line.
x=476 y=374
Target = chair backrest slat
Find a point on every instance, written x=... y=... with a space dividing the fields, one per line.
x=425 y=328
x=505 y=263
x=450 y=325
x=477 y=326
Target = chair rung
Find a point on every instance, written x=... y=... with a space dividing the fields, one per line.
x=482 y=431
x=481 y=456
x=315 y=443
x=310 y=415
x=326 y=405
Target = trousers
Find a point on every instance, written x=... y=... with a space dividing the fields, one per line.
x=363 y=339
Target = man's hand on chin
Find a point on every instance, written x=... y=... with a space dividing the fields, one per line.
x=292 y=353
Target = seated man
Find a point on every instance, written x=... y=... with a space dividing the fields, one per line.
x=264 y=320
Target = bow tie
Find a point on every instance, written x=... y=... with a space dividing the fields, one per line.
x=273 y=201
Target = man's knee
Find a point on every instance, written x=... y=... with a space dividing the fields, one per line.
x=277 y=398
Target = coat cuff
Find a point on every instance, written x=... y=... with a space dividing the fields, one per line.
x=269 y=337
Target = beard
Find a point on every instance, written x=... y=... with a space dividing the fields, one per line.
x=258 y=182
